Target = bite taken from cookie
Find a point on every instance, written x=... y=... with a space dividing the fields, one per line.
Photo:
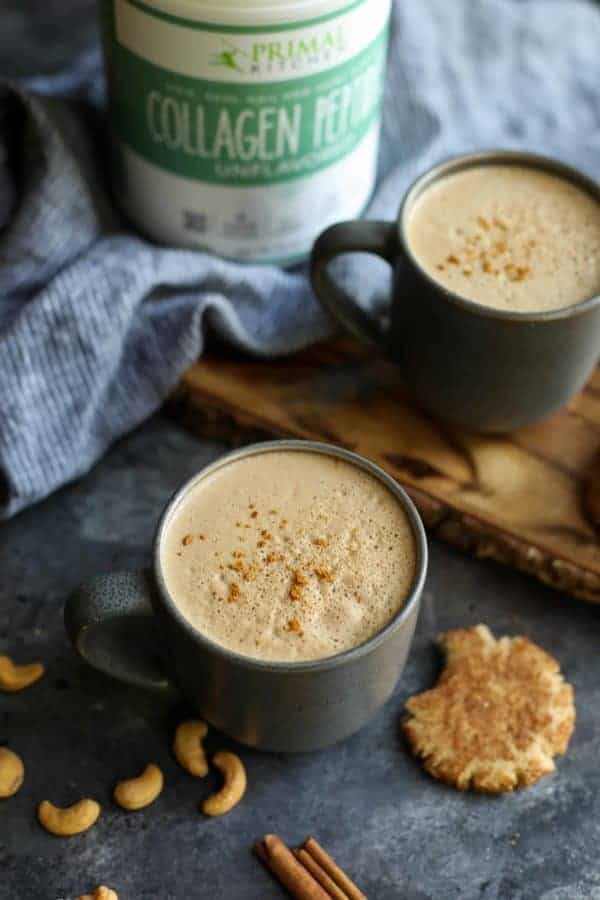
x=499 y=714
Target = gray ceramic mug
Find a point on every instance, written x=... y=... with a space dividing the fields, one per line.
x=114 y=622
x=477 y=367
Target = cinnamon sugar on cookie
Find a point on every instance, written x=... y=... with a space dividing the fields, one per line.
x=499 y=713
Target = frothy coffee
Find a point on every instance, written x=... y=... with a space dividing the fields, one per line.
x=289 y=555
x=509 y=237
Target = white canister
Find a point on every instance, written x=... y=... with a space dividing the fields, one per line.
x=244 y=127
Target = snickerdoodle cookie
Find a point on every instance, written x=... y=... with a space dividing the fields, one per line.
x=498 y=715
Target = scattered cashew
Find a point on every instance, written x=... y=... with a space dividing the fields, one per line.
x=12 y=772
x=101 y=893
x=71 y=820
x=188 y=748
x=17 y=678
x=233 y=789
x=136 y=793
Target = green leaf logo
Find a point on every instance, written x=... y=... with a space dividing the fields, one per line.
x=229 y=57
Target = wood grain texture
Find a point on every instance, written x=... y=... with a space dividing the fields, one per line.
x=514 y=499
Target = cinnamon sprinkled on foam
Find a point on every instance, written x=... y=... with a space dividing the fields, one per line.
x=294 y=626
x=509 y=237
x=468 y=252
x=323 y=573
x=313 y=561
x=297 y=585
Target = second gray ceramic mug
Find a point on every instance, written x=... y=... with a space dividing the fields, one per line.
x=115 y=619
x=477 y=367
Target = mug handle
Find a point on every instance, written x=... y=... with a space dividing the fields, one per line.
x=357 y=236
x=111 y=623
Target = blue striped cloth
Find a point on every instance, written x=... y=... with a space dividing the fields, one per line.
x=97 y=324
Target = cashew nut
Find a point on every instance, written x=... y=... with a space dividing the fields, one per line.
x=136 y=793
x=233 y=789
x=188 y=748
x=72 y=820
x=16 y=678
x=12 y=772
x=101 y=893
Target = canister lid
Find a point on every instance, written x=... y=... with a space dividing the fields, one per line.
x=253 y=13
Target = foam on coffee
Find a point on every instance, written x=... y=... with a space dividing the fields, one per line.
x=289 y=555
x=509 y=237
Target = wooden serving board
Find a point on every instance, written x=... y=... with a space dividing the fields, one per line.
x=516 y=500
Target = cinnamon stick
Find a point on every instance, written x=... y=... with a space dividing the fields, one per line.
x=320 y=875
x=324 y=860
x=292 y=874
